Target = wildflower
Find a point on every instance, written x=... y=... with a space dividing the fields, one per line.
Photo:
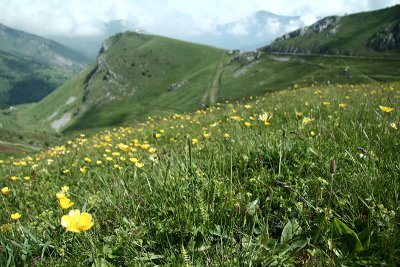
x=27 y=178
x=226 y=136
x=16 y=216
x=76 y=221
x=206 y=135
x=60 y=195
x=99 y=162
x=5 y=228
x=247 y=106
x=14 y=178
x=123 y=147
x=139 y=165
x=342 y=105
x=386 y=109
x=5 y=190
x=194 y=141
x=393 y=125
x=109 y=158
x=298 y=114
x=152 y=150
x=82 y=170
x=88 y=160
x=65 y=203
x=157 y=135
x=312 y=133
x=64 y=188
x=326 y=103
x=145 y=146
x=247 y=124
x=307 y=120
x=133 y=160
x=265 y=117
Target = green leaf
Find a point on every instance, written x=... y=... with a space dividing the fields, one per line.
x=347 y=236
x=252 y=207
x=291 y=229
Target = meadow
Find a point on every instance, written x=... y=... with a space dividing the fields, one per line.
x=308 y=176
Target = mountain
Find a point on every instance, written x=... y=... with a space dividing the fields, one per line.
x=375 y=33
x=250 y=32
x=141 y=75
x=31 y=66
x=91 y=44
x=136 y=75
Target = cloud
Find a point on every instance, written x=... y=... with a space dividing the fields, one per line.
x=167 y=17
x=239 y=28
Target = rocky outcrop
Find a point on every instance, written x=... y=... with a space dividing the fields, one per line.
x=386 y=38
x=331 y=22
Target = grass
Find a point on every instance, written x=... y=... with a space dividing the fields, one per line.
x=351 y=38
x=317 y=184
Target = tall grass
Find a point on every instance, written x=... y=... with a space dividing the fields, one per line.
x=220 y=187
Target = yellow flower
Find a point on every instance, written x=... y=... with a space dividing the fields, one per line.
x=76 y=221
x=386 y=109
x=27 y=178
x=60 y=195
x=152 y=150
x=145 y=146
x=82 y=170
x=247 y=106
x=342 y=105
x=133 y=160
x=265 y=117
x=14 y=178
x=5 y=190
x=298 y=114
x=247 y=124
x=206 y=135
x=139 y=165
x=15 y=216
x=312 y=133
x=124 y=148
x=64 y=188
x=88 y=160
x=195 y=141
x=326 y=103
x=226 y=136
x=307 y=120
x=65 y=203
x=99 y=162
x=393 y=125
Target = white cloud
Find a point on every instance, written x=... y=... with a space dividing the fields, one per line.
x=166 y=17
x=239 y=28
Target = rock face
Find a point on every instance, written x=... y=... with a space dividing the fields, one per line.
x=386 y=38
x=331 y=22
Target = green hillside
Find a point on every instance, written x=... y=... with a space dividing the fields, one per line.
x=139 y=75
x=375 y=33
x=31 y=67
x=302 y=177
x=136 y=75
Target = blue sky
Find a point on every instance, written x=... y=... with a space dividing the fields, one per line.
x=164 y=17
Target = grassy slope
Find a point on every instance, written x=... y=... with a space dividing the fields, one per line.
x=31 y=67
x=149 y=65
x=263 y=195
x=354 y=32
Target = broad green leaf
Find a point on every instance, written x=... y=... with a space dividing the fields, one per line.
x=253 y=206
x=347 y=236
x=291 y=229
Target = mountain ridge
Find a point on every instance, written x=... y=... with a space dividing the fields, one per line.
x=32 y=66
x=373 y=33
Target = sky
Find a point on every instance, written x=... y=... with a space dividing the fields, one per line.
x=182 y=18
